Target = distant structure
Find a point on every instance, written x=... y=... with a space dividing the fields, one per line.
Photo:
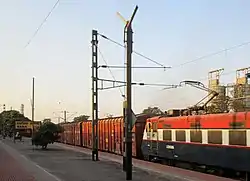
x=219 y=102
x=22 y=109
x=241 y=92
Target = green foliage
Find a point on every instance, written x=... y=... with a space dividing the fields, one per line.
x=46 y=120
x=48 y=133
x=238 y=105
x=81 y=118
x=152 y=111
x=109 y=115
x=8 y=118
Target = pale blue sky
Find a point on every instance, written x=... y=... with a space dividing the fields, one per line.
x=169 y=31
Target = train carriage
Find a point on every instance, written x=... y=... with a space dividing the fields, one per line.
x=219 y=140
x=110 y=134
x=78 y=134
x=68 y=135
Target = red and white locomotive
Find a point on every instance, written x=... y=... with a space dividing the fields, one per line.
x=217 y=140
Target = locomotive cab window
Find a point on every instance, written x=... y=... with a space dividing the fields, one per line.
x=154 y=127
x=148 y=128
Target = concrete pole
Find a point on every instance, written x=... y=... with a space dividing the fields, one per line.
x=33 y=105
x=128 y=122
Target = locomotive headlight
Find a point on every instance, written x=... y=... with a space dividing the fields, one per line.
x=170 y=147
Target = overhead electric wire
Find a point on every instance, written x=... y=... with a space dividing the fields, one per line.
x=111 y=73
x=191 y=61
x=213 y=54
x=137 y=53
x=205 y=78
x=222 y=74
x=134 y=67
x=139 y=83
x=184 y=63
x=42 y=23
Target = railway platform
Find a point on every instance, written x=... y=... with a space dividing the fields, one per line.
x=170 y=173
x=16 y=167
x=11 y=169
x=21 y=161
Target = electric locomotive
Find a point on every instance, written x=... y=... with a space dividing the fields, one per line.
x=214 y=140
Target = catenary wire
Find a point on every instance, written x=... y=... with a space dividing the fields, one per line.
x=191 y=61
x=137 y=53
x=213 y=54
x=111 y=73
x=42 y=23
x=187 y=62
x=222 y=74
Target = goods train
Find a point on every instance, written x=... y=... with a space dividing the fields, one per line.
x=219 y=141
x=110 y=136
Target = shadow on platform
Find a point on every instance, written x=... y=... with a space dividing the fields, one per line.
x=47 y=150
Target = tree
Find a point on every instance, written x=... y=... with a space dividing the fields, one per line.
x=8 y=118
x=46 y=120
x=238 y=105
x=109 y=115
x=81 y=118
x=48 y=133
x=153 y=111
x=220 y=106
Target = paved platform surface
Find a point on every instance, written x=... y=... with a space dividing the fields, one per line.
x=59 y=164
x=17 y=167
x=172 y=173
x=10 y=169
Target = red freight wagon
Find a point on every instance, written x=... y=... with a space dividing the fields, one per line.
x=87 y=134
x=101 y=135
x=64 y=134
x=118 y=134
x=84 y=134
x=78 y=134
x=69 y=129
x=110 y=134
x=68 y=133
